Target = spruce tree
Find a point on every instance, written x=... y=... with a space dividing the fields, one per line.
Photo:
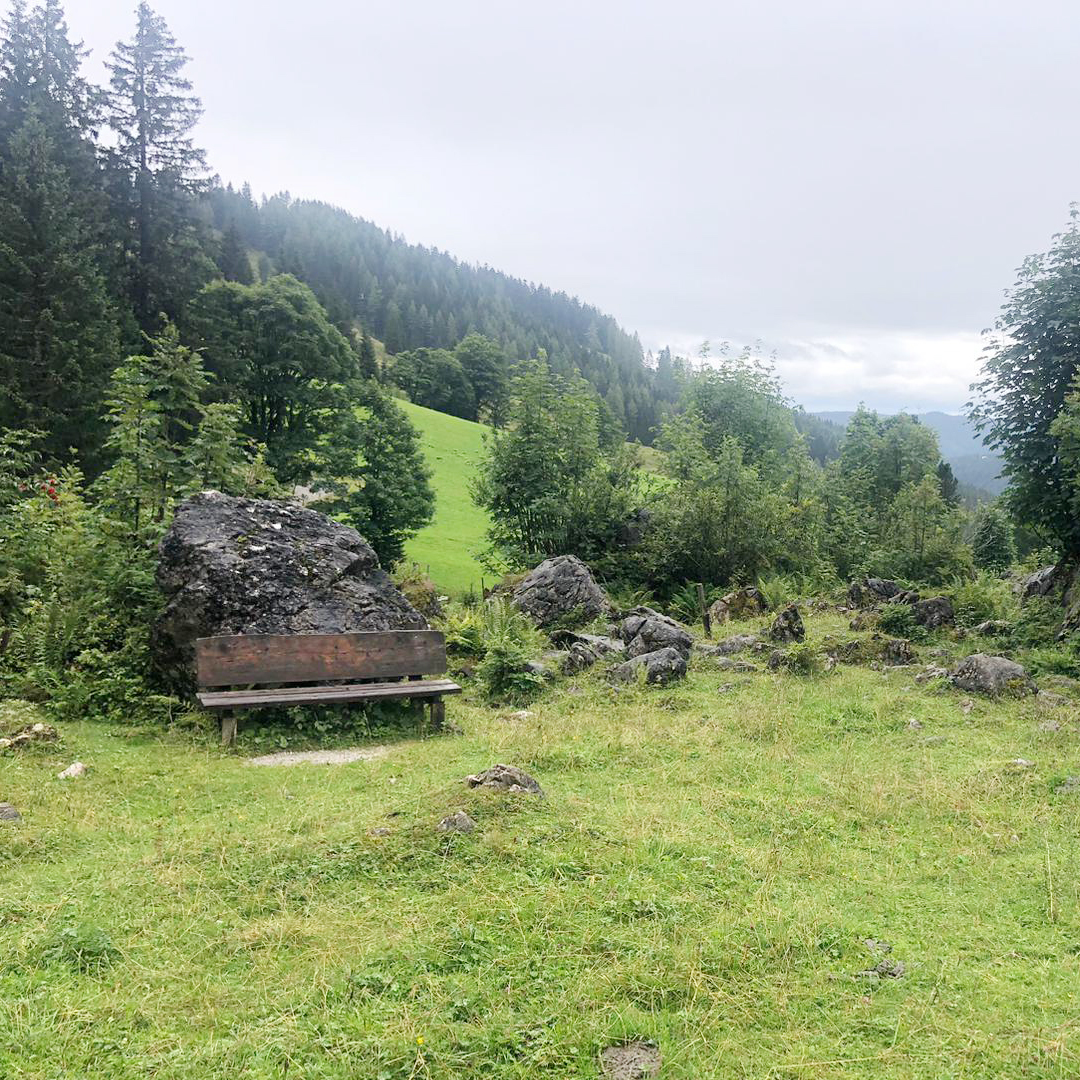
x=369 y=366
x=57 y=326
x=158 y=169
x=234 y=262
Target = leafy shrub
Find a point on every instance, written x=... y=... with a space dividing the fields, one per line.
x=804 y=659
x=419 y=589
x=898 y=620
x=1037 y=623
x=504 y=641
x=980 y=599
x=1049 y=661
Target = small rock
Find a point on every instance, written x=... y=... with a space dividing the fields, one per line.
x=9 y=813
x=1050 y=726
x=726 y=663
x=966 y=706
x=380 y=830
x=931 y=672
x=992 y=628
x=76 y=768
x=914 y=724
x=1022 y=763
x=519 y=714
x=1069 y=786
x=457 y=822
x=886 y=969
x=935 y=740
x=725 y=688
x=727 y=647
x=631 y=1061
x=505 y=778
x=788 y=625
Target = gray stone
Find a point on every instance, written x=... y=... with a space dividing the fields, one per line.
x=583 y=650
x=993 y=675
x=72 y=772
x=871 y=590
x=727 y=663
x=743 y=603
x=559 y=590
x=646 y=631
x=660 y=666
x=1069 y=786
x=1050 y=726
x=728 y=647
x=931 y=672
x=9 y=813
x=457 y=822
x=1022 y=763
x=884 y=969
x=935 y=740
x=788 y=625
x=992 y=628
x=914 y=724
x=505 y=778
x=934 y=612
x=1047 y=699
x=1040 y=583
x=896 y=652
x=260 y=566
x=631 y=1061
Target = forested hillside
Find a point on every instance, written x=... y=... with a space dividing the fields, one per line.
x=409 y=297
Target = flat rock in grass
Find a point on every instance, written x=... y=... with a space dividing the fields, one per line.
x=930 y=673
x=631 y=1061
x=1069 y=786
x=788 y=625
x=1050 y=726
x=884 y=969
x=992 y=628
x=729 y=663
x=660 y=666
x=505 y=778
x=1047 y=699
x=32 y=733
x=992 y=675
x=458 y=822
x=74 y=770
x=560 y=589
x=728 y=647
x=9 y=813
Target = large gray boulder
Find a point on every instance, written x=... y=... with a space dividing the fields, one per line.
x=871 y=590
x=646 y=631
x=743 y=603
x=660 y=666
x=993 y=675
x=259 y=566
x=1041 y=583
x=560 y=590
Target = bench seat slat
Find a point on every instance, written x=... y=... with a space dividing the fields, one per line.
x=308 y=695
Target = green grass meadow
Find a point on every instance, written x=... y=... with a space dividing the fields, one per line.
x=703 y=872
x=447 y=548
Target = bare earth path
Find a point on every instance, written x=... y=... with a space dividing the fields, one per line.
x=322 y=757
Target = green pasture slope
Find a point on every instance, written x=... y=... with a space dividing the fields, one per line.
x=447 y=547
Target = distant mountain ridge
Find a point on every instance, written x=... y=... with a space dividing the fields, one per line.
x=972 y=463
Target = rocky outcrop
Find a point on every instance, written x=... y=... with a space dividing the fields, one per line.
x=645 y=631
x=1041 y=583
x=743 y=603
x=934 y=612
x=259 y=566
x=660 y=666
x=728 y=647
x=871 y=590
x=560 y=590
x=992 y=675
x=992 y=628
x=583 y=650
x=788 y=626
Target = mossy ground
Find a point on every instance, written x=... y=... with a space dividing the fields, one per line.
x=702 y=873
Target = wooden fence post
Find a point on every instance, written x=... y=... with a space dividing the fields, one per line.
x=705 y=620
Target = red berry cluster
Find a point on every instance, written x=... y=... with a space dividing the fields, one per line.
x=49 y=487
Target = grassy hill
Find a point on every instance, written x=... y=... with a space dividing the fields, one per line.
x=447 y=547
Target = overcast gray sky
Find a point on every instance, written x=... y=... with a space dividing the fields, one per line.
x=853 y=182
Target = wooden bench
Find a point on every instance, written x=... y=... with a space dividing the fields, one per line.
x=320 y=669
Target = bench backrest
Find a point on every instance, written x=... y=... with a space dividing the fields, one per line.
x=246 y=659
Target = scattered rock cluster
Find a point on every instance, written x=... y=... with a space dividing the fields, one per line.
x=508 y=778
x=932 y=612
x=743 y=603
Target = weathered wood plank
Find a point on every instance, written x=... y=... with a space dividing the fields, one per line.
x=328 y=695
x=292 y=658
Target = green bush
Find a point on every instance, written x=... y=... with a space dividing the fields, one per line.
x=980 y=599
x=898 y=620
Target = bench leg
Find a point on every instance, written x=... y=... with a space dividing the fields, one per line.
x=228 y=728
x=438 y=714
